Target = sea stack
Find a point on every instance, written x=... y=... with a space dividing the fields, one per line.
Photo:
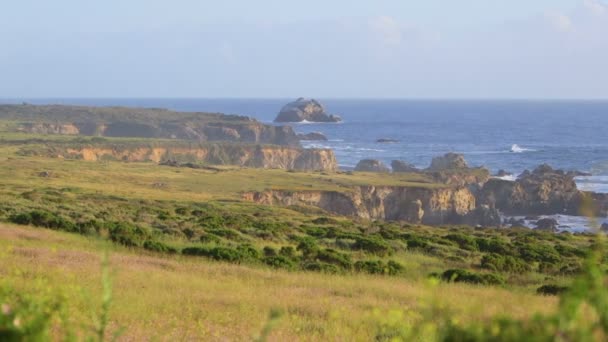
x=302 y=109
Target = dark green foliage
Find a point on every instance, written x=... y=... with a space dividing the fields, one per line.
x=248 y=252
x=321 y=267
x=333 y=257
x=41 y=218
x=551 y=290
x=415 y=241
x=308 y=247
x=288 y=252
x=279 y=261
x=460 y=275
x=493 y=245
x=127 y=234
x=325 y=220
x=373 y=245
x=538 y=252
x=379 y=267
x=465 y=242
x=504 y=263
x=371 y=266
x=209 y=238
x=269 y=251
x=157 y=246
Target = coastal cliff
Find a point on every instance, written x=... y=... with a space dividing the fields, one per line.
x=247 y=155
x=144 y=123
x=394 y=203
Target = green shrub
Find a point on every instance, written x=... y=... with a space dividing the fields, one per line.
x=41 y=218
x=379 y=267
x=278 y=261
x=288 y=252
x=463 y=241
x=157 y=246
x=333 y=257
x=372 y=245
x=551 y=290
x=460 y=275
x=308 y=246
x=269 y=251
x=127 y=234
x=494 y=246
x=321 y=267
x=504 y=263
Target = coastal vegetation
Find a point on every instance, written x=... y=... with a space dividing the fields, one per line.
x=203 y=248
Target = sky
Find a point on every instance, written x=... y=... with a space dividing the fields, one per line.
x=549 y=49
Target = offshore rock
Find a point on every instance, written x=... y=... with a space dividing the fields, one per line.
x=371 y=165
x=305 y=110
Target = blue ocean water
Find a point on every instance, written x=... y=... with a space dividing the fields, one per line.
x=498 y=134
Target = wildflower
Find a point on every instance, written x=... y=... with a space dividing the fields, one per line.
x=6 y=309
x=17 y=322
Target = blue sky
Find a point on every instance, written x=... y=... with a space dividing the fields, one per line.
x=271 y=48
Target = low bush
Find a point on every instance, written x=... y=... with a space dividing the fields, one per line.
x=504 y=263
x=551 y=290
x=278 y=261
x=460 y=275
x=321 y=267
x=372 y=245
x=157 y=246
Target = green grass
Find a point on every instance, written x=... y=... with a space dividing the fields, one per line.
x=172 y=297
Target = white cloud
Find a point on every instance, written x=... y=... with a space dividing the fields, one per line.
x=387 y=30
x=595 y=6
x=559 y=21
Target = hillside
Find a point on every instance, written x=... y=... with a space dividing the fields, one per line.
x=169 y=297
x=142 y=122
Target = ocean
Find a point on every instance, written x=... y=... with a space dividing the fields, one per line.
x=498 y=134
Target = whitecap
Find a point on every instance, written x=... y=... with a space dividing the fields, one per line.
x=518 y=149
x=511 y=178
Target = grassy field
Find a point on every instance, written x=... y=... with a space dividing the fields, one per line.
x=184 y=298
x=191 y=261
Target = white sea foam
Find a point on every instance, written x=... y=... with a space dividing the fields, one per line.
x=507 y=177
x=592 y=183
x=518 y=149
x=566 y=222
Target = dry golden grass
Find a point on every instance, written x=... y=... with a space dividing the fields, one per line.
x=179 y=298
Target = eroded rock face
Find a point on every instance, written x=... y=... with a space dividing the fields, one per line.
x=313 y=136
x=417 y=205
x=371 y=165
x=544 y=191
x=305 y=110
x=448 y=161
x=402 y=166
x=258 y=156
x=145 y=122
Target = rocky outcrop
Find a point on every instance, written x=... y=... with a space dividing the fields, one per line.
x=402 y=166
x=313 y=136
x=247 y=155
x=547 y=224
x=543 y=191
x=448 y=161
x=146 y=123
x=49 y=128
x=387 y=141
x=474 y=178
x=502 y=173
x=305 y=110
x=412 y=204
x=371 y=165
